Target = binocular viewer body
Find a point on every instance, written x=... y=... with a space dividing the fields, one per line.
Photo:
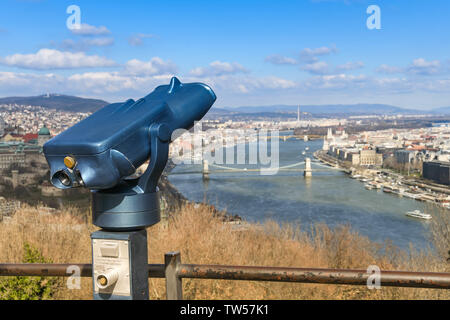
x=102 y=151
x=107 y=146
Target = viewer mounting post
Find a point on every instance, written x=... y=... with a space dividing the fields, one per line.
x=101 y=153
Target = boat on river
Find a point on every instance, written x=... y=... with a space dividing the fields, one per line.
x=418 y=214
x=411 y=195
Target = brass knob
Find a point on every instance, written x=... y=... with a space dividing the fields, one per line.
x=69 y=162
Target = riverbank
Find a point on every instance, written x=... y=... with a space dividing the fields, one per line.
x=391 y=182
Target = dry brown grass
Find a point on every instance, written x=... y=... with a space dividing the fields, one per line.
x=202 y=239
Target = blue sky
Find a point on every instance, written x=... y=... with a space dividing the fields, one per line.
x=250 y=52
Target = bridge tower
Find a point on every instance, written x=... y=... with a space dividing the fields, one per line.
x=205 y=170
x=326 y=145
x=308 y=171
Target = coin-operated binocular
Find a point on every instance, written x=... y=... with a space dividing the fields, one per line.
x=101 y=153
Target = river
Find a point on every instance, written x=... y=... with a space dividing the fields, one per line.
x=328 y=196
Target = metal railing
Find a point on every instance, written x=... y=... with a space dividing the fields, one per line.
x=174 y=272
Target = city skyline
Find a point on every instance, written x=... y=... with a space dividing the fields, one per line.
x=253 y=53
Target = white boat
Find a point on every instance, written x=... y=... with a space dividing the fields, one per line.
x=418 y=214
x=410 y=195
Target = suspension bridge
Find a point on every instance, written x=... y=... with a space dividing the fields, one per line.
x=292 y=136
x=305 y=166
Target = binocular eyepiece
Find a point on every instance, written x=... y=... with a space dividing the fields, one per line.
x=66 y=179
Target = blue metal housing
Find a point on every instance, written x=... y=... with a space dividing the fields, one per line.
x=111 y=143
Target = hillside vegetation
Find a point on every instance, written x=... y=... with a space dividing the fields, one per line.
x=59 y=102
x=204 y=239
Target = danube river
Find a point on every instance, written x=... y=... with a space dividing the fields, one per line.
x=329 y=196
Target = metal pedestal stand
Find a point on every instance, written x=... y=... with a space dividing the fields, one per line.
x=119 y=249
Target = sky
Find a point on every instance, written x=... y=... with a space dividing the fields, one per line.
x=252 y=53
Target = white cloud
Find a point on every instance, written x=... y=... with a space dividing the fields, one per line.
x=422 y=63
x=422 y=67
x=319 y=67
x=155 y=66
x=28 y=83
x=418 y=66
x=218 y=68
x=349 y=66
x=138 y=39
x=110 y=86
x=245 y=84
x=362 y=84
x=88 y=30
x=102 y=82
x=267 y=83
x=311 y=55
x=336 y=81
x=135 y=78
x=341 y=88
x=280 y=60
x=309 y=61
x=47 y=59
x=275 y=83
x=86 y=43
x=230 y=81
x=307 y=56
x=323 y=68
x=384 y=68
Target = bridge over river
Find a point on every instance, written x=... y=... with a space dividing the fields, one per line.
x=307 y=169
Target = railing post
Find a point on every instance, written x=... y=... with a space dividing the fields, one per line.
x=174 y=287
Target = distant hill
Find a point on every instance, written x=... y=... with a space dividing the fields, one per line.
x=329 y=109
x=58 y=102
x=442 y=110
x=220 y=111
